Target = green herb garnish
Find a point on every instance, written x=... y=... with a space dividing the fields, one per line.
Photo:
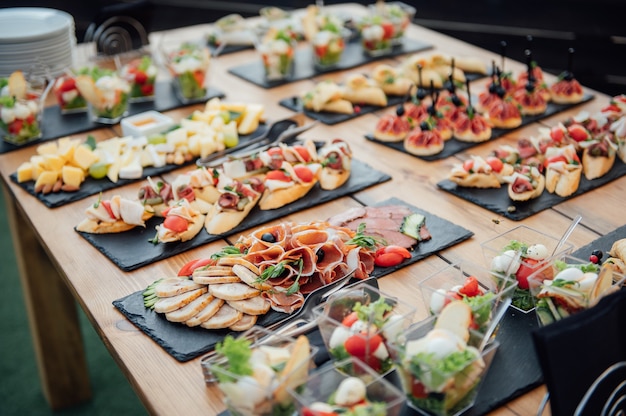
x=366 y=241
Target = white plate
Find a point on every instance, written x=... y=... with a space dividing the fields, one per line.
x=26 y=24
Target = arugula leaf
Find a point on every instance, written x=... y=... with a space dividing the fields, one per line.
x=516 y=246
x=91 y=142
x=226 y=252
x=237 y=352
x=366 y=241
x=272 y=272
x=373 y=312
x=295 y=287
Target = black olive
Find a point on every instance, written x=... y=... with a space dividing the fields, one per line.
x=493 y=88
x=530 y=86
x=501 y=91
x=568 y=76
x=421 y=94
x=268 y=238
x=320 y=255
x=456 y=100
x=400 y=110
x=598 y=254
x=424 y=125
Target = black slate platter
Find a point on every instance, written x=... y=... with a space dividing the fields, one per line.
x=93 y=186
x=131 y=250
x=454 y=146
x=603 y=243
x=57 y=125
x=174 y=338
x=497 y=199
x=514 y=370
x=352 y=57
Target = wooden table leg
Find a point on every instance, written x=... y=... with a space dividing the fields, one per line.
x=52 y=316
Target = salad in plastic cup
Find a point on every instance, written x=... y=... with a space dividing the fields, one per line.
x=255 y=370
x=68 y=96
x=361 y=321
x=399 y=14
x=520 y=253
x=330 y=392
x=440 y=373
x=21 y=107
x=573 y=285
x=106 y=92
x=376 y=33
x=188 y=63
x=277 y=49
x=141 y=75
x=329 y=41
x=488 y=295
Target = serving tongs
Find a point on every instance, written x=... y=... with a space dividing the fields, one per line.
x=277 y=132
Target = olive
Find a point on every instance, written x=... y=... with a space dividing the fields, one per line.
x=421 y=94
x=456 y=100
x=493 y=88
x=400 y=110
x=268 y=238
x=500 y=91
x=530 y=86
x=320 y=255
x=424 y=125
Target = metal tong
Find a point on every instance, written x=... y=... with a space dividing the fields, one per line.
x=277 y=132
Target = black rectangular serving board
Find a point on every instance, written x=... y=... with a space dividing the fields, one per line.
x=131 y=250
x=352 y=57
x=454 y=146
x=603 y=243
x=497 y=199
x=93 y=186
x=185 y=343
x=55 y=125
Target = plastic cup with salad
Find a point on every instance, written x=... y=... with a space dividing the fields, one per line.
x=188 y=64
x=277 y=49
x=141 y=74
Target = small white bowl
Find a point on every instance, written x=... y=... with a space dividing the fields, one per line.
x=146 y=124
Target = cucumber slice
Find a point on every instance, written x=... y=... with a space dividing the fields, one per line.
x=411 y=225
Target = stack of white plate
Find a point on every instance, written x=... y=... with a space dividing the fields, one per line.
x=35 y=40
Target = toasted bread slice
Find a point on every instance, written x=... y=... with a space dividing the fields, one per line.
x=225 y=317
x=246 y=322
x=233 y=291
x=164 y=305
x=191 y=309
x=456 y=317
x=206 y=313
x=173 y=286
x=296 y=370
x=257 y=305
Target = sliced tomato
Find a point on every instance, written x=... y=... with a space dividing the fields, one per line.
x=388 y=259
x=362 y=346
x=176 y=223
x=278 y=175
x=468 y=165
x=350 y=319
x=524 y=271
x=188 y=268
x=308 y=412
x=303 y=152
x=387 y=30
x=578 y=132
x=303 y=173
x=554 y=159
x=141 y=77
x=272 y=151
x=394 y=249
x=147 y=89
x=495 y=163
x=557 y=134
x=199 y=77
x=417 y=389
x=470 y=287
x=611 y=108
x=321 y=50
x=16 y=126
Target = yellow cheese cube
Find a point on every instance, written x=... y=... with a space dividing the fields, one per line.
x=47 y=177
x=48 y=148
x=25 y=172
x=38 y=160
x=37 y=170
x=53 y=162
x=72 y=176
x=202 y=116
x=84 y=157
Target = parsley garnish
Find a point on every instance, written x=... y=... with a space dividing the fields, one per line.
x=365 y=241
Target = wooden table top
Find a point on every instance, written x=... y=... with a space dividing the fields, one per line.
x=168 y=387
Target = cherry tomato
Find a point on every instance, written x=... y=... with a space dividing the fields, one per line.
x=277 y=175
x=16 y=126
x=495 y=163
x=350 y=319
x=361 y=346
x=107 y=206
x=199 y=77
x=578 y=132
x=147 y=89
x=394 y=249
x=557 y=134
x=470 y=288
x=303 y=173
x=388 y=259
x=189 y=267
x=387 y=30
x=141 y=77
x=308 y=412
x=176 y=223
x=524 y=271
x=320 y=50
x=468 y=165
x=68 y=84
x=417 y=389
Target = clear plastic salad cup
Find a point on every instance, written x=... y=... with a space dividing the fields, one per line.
x=20 y=120
x=329 y=391
x=399 y=14
x=188 y=64
x=520 y=253
x=277 y=50
x=440 y=374
x=68 y=96
x=112 y=104
x=327 y=48
x=487 y=293
x=361 y=321
x=570 y=285
x=376 y=33
x=141 y=74
x=255 y=370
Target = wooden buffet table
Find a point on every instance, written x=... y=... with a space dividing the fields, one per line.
x=58 y=267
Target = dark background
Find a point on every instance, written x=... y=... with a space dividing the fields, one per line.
x=595 y=29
